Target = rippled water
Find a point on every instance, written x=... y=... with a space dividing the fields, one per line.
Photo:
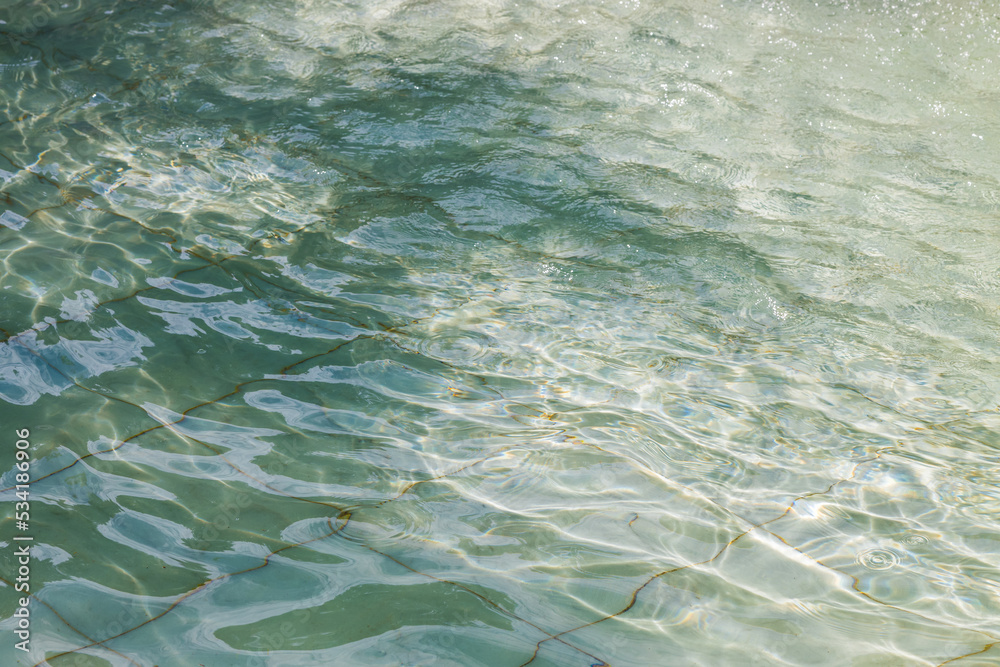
x=503 y=333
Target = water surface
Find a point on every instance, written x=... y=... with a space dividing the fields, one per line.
x=503 y=333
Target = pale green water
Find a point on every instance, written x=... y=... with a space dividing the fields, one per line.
x=491 y=333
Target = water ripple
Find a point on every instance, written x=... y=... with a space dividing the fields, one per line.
x=878 y=559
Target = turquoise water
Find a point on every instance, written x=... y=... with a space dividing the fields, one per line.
x=502 y=333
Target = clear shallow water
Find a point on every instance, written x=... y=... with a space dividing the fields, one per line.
x=457 y=333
